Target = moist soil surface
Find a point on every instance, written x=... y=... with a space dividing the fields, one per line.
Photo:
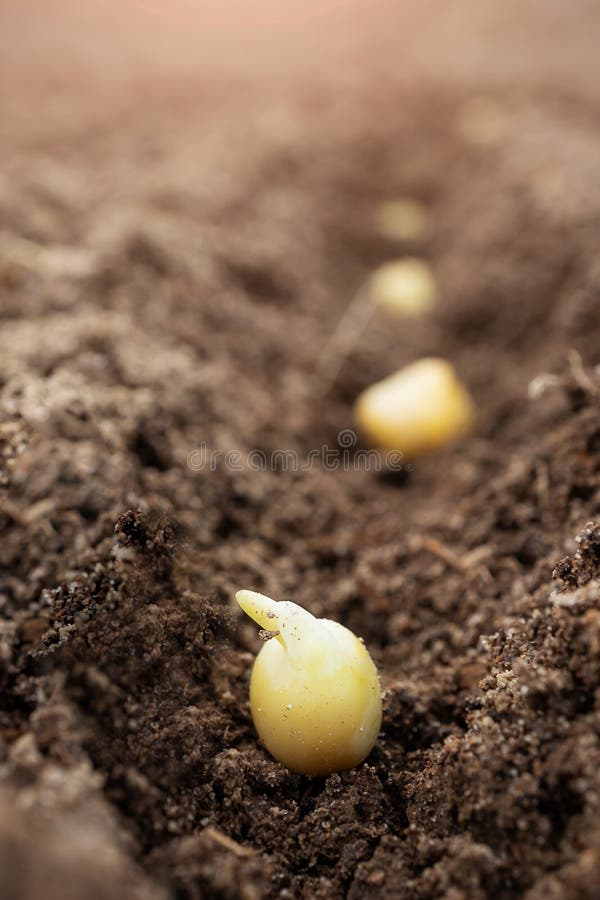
x=176 y=252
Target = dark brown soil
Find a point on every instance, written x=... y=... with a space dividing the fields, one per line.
x=177 y=245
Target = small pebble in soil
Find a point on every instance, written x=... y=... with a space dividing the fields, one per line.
x=406 y=287
x=314 y=690
x=417 y=410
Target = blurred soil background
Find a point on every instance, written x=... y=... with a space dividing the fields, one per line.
x=187 y=200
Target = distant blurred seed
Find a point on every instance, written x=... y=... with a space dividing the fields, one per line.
x=420 y=409
x=481 y=120
x=404 y=219
x=406 y=287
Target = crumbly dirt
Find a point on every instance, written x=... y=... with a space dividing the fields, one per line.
x=175 y=252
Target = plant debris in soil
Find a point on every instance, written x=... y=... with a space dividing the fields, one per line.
x=169 y=274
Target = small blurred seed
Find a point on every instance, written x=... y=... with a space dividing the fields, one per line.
x=481 y=120
x=402 y=220
x=417 y=410
x=406 y=287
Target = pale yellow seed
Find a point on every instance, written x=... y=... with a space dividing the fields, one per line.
x=417 y=410
x=481 y=120
x=314 y=690
x=406 y=287
x=404 y=219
